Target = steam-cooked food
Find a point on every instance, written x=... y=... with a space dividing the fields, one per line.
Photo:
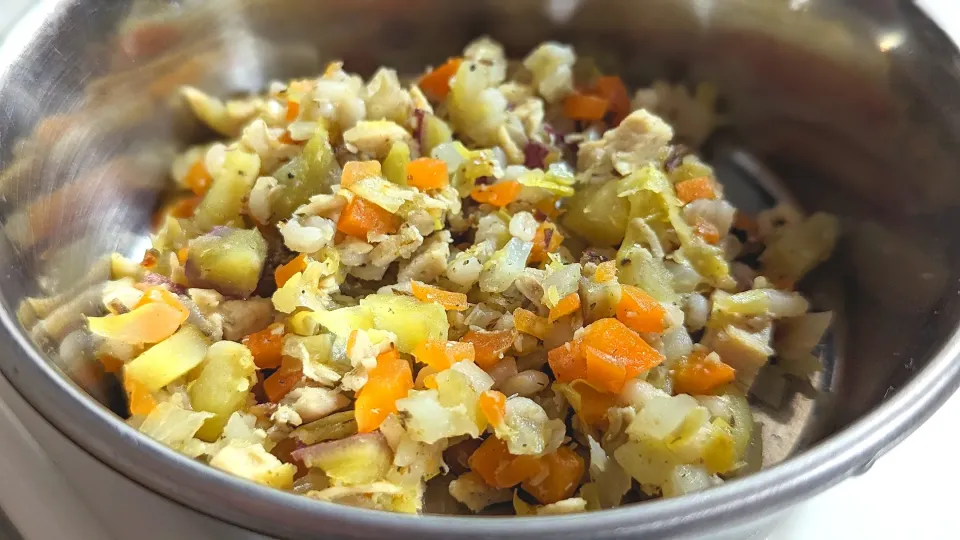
x=502 y=277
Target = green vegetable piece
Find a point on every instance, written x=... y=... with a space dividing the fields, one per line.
x=395 y=164
x=228 y=260
x=310 y=174
x=224 y=202
x=435 y=133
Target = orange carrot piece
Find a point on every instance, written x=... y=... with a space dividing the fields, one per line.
x=695 y=188
x=702 y=373
x=293 y=110
x=706 y=230
x=548 y=206
x=564 y=471
x=430 y=381
x=266 y=346
x=163 y=296
x=640 y=311
x=611 y=341
x=499 y=194
x=501 y=469
x=361 y=217
x=198 y=179
x=451 y=301
x=354 y=171
x=545 y=241
x=594 y=404
x=585 y=107
x=493 y=405
x=604 y=371
x=184 y=207
x=567 y=363
x=286 y=138
x=284 y=272
x=111 y=364
x=182 y=255
x=282 y=381
x=567 y=305
x=436 y=84
x=427 y=173
x=606 y=271
x=139 y=399
x=529 y=322
x=489 y=346
x=389 y=381
x=440 y=355
x=614 y=91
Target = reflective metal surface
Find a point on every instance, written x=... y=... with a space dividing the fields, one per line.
x=855 y=105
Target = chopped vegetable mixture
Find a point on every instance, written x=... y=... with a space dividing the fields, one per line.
x=504 y=278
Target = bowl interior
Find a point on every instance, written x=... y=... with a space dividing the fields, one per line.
x=850 y=109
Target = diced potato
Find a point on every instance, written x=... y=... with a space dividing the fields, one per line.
x=170 y=359
x=343 y=321
x=686 y=479
x=224 y=202
x=662 y=417
x=222 y=386
x=230 y=262
x=254 y=463
x=310 y=174
x=597 y=214
x=413 y=321
x=360 y=459
x=428 y=421
x=395 y=164
x=647 y=461
x=637 y=266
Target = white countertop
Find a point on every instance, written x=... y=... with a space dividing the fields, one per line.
x=906 y=494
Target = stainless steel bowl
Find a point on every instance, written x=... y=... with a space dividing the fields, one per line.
x=852 y=104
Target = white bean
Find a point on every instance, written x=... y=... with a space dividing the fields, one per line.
x=697 y=310
x=526 y=383
x=503 y=370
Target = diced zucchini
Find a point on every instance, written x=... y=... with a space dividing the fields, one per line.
x=224 y=202
x=330 y=428
x=435 y=132
x=413 y=321
x=598 y=215
x=230 y=261
x=395 y=164
x=310 y=174
x=170 y=359
x=223 y=385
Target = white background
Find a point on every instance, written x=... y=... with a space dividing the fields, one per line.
x=910 y=492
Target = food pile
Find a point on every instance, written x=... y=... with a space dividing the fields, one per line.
x=499 y=282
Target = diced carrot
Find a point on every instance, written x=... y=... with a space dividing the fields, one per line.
x=546 y=240
x=150 y=323
x=609 y=341
x=564 y=471
x=529 y=322
x=585 y=107
x=701 y=373
x=389 y=381
x=567 y=363
x=451 y=301
x=493 y=405
x=695 y=188
x=430 y=381
x=606 y=271
x=548 y=206
x=594 y=404
x=499 y=194
x=198 y=179
x=354 y=171
x=282 y=381
x=614 y=91
x=266 y=346
x=427 y=173
x=501 y=469
x=293 y=110
x=440 y=355
x=185 y=207
x=111 y=364
x=706 y=230
x=567 y=305
x=489 y=346
x=139 y=399
x=436 y=84
x=361 y=217
x=284 y=272
x=604 y=371
x=182 y=255
x=286 y=138
x=640 y=311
